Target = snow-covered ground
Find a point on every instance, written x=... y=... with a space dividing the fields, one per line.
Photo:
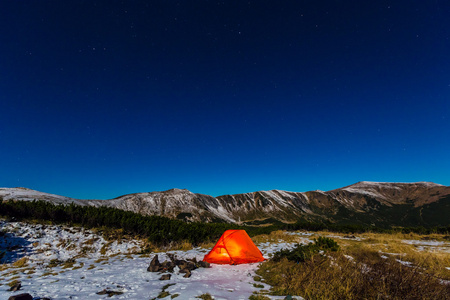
x=73 y=263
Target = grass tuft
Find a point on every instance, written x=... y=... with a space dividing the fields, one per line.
x=258 y=297
x=21 y=262
x=206 y=296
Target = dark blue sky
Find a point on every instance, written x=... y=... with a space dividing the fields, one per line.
x=104 y=98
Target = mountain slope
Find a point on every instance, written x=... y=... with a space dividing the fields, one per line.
x=376 y=203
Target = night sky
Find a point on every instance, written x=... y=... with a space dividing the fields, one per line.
x=104 y=98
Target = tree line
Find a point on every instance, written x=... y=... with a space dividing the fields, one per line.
x=163 y=230
x=160 y=230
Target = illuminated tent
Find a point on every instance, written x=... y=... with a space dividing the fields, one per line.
x=234 y=247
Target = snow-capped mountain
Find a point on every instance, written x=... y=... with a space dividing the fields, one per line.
x=364 y=202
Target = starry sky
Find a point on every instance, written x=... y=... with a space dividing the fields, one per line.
x=104 y=98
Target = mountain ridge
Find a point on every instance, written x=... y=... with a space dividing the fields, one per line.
x=365 y=202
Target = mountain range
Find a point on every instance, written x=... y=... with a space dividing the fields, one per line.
x=365 y=203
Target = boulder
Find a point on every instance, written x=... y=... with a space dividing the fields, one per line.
x=203 y=264
x=171 y=256
x=188 y=273
x=187 y=265
x=154 y=266
x=165 y=277
x=178 y=262
x=25 y=296
x=167 y=266
x=194 y=260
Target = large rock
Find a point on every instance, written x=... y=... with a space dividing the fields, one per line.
x=203 y=264
x=25 y=296
x=188 y=273
x=167 y=266
x=187 y=265
x=155 y=266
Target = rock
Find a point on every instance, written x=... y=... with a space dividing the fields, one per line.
x=171 y=256
x=185 y=270
x=191 y=266
x=155 y=266
x=181 y=264
x=109 y=293
x=16 y=287
x=203 y=264
x=165 y=277
x=168 y=266
x=178 y=262
x=194 y=260
x=187 y=265
x=25 y=296
x=188 y=273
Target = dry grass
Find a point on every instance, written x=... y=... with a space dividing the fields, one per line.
x=366 y=269
x=78 y=267
x=54 y=263
x=68 y=265
x=63 y=243
x=20 y=263
x=366 y=277
x=432 y=261
x=182 y=245
x=148 y=248
x=4 y=267
x=11 y=272
x=49 y=273
x=91 y=241
x=105 y=248
x=258 y=297
x=277 y=237
x=30 y=271
x=206 y=296
x=207 y=245
x=13 y=282
x=100 y=260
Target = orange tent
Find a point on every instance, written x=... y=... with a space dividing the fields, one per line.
x=234 y=247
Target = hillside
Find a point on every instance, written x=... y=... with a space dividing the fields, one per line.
x=369 y=203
